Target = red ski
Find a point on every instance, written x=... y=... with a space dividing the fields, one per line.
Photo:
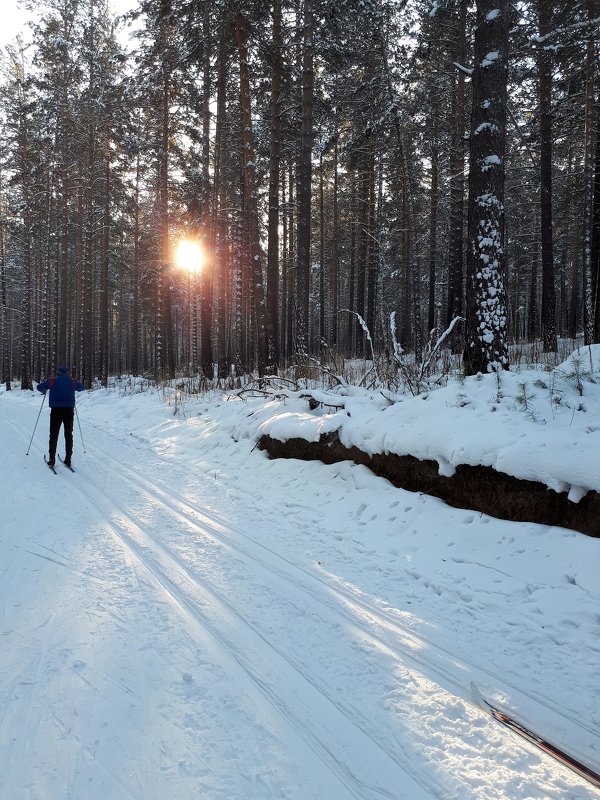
x=543 y=744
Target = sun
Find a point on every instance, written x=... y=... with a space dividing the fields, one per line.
x=189 y=256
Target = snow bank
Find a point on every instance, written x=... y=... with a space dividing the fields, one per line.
x=534 y=425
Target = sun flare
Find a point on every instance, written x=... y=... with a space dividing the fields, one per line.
x=189 y=256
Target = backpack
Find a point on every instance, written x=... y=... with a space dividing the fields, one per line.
x=53 y=381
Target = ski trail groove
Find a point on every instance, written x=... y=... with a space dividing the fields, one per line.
x=201 y=604
x=179 y=506
x=25 y=725
x=355 y=604
x=452 y=669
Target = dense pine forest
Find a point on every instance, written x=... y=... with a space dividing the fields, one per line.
x=211 y=188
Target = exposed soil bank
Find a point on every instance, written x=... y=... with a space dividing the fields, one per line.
x=478 y=488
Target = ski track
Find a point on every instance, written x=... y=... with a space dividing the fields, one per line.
x=351 y=739
x=444 y=667
x=24 y=749
x=202 y=603
x=402 y=642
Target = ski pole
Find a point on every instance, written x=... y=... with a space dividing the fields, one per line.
x=36 y=423
x=80 y=433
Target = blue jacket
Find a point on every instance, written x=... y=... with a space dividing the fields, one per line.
x=62 y=389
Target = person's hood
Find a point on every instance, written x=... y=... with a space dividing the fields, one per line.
x=62 y=370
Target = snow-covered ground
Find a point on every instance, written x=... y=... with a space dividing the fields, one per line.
x=183 y=618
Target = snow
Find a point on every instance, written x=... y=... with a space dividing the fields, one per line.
x=541 y=428
x=491 y=16
x=490 y=59
x=486 y=126
x=185 y=618
x=489 y=162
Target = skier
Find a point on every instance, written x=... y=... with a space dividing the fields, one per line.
x=62 y=410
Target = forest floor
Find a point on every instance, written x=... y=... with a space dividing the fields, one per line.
x=184 y=618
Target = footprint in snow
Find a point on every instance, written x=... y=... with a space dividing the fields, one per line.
x=360 y=510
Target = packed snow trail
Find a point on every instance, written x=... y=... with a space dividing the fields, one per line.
x=348 y=602
x=183 y=618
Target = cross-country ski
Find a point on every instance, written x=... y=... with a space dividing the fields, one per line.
x=50 y=465
x=66 y=464
x=534 y=738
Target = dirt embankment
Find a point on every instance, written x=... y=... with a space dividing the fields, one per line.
x=478 y=488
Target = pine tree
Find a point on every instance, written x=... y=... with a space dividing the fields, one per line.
x=486 y=340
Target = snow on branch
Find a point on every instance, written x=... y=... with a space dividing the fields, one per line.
x=467 y=70
x=447 y=333
x=588 y=23
x=414 y=374
x=431 y=349
x=367 y=332
x=362 y=324
x=395 y=344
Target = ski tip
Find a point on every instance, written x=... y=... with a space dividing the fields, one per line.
x=478 y=697
x=50 y=466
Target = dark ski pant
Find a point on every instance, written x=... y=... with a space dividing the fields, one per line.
x=58 y=417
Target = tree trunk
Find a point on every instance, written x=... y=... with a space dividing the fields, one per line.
x=433 y=208
x=273 y=221
x=588 y=182
x=322 y=235
x=595 y=239
x=304 y=183
x=285 y=283
x=361 y=244
x=88 y=318
x=486 y=347
x=575 y=234
x=218 y=249
x=5 y=377
x=26 y=319
x=371 y=248
x=104 y=278
x=208 y=279
x=250 y=196
x=135 y=278
x=62 y=291
x=545 y=95
x=335 y=253
x=457 y=180
x=165 y=352
x=291 y=267
x=350 y=319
